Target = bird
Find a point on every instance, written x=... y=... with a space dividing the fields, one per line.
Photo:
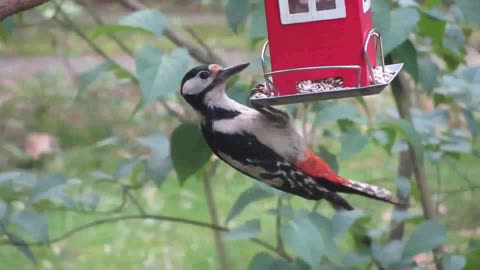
x=263 y=143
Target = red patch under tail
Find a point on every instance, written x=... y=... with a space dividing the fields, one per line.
x=314 y=166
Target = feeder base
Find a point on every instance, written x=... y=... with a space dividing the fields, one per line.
x=334 y=94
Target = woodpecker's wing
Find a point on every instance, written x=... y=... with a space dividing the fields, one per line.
x=245 y=153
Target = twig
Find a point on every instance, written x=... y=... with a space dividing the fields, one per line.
x=99 y=21
x=68 y=24
x=266 y=245
x=115 y=219
x=136 y=203
x=200 y=55
x=208 y=50
x=133 y=217
x=171 y=111
x=280 y=246
x=222 y=252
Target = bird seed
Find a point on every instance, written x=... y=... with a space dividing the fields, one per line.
x=261 y=91
x=382 y=77
x=322 y=85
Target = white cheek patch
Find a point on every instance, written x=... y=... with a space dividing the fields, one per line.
x=195 y=86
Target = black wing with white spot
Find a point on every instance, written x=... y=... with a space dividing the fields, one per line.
x=245 y=153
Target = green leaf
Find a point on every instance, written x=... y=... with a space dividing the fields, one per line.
x=14 y=184
x=426 y=236
x=90 y=200
x=265 y=261
x=326 y=228
x=262 y=261
x=236 y=12
x=33 y=223
x=353 y=260
x=150 y=20
x=407 y=54
x=343 y=220
x=250 y=229
x=85 y=79
x=335 y=112
x=352 y=143
x=3 y=210
x=407 y=131
x=432 y=26
x=188 y=150
x=471 y=124
x=428 y=4
x=6 y=28
x=454 y=144
x=389 y=254
x=135 y=177
x=303 y=238
x=428 y=72
x=470 y=10
x=328 y=157
x=381 y=15
x=21 y=245
x=252 y=194
x=159 y=168
x=156 y=142
x=473 y=260
x=51 y=189
x=258 y=24
x=399 y=32
x=453 y=262
x=159 y=163
x=385 y=137
x=159 y=74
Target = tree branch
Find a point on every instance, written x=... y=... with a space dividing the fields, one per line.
x=222 y=252
x=99 y=21
x=10 y=7
x=401 y=90
x=136 y=203
x=133 y=217
x=200 y=54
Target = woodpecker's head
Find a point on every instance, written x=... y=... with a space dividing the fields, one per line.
x=203 y=83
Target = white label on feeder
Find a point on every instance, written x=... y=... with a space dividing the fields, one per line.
x=299 y=11
x=366 y=5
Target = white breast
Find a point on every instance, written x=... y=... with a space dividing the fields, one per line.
x=285 y=141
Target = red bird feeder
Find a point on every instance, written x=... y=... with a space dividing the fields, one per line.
x=321 y=49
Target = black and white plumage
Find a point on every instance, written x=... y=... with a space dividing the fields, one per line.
x=263 y=142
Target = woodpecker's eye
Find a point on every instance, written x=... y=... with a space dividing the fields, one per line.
x=204 y=75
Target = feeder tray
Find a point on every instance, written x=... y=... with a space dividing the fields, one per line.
x=376 y=86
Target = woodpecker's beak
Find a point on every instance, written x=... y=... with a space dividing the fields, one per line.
x=225 y=73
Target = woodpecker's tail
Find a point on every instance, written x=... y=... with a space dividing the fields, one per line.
x=367 y=190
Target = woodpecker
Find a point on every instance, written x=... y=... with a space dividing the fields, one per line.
x=263 y=143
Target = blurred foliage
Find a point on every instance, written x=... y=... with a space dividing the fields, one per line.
x=430 y=38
